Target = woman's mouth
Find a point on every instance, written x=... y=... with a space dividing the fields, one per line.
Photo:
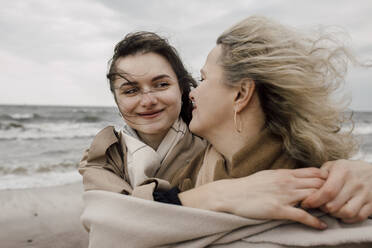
x=193 y=105
x=150 y=114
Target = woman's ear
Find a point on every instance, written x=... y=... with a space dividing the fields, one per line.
x=244 y=94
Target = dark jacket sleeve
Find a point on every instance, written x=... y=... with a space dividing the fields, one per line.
x=168 y=196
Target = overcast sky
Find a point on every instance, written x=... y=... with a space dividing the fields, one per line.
x=56 y=52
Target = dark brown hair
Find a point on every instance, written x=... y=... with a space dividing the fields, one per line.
x=146 y=42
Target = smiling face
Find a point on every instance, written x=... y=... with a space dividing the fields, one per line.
x=213 y=99
x=147 y=93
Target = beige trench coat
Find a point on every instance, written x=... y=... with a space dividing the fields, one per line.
x=103 y=165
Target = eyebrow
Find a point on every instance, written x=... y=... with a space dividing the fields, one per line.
x=135 y=82
x=160 y=77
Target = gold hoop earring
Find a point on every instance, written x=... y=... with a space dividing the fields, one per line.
x=238 y=128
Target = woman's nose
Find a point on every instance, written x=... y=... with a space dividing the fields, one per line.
x=148 y=98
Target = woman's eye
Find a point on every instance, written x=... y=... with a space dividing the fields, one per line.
x=162 y=85
x=201 y=79
x=130 y=91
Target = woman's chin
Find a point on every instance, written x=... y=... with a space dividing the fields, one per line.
x=153 y=129
x=194 y=128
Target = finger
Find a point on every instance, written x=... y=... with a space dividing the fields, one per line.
x=327 y=165
x=299 y=195
x=305 y=183
x=329 y=190
x=351 y=208
x=364 y=213
x=342 y=200
x=309 y=172
x=300 y=215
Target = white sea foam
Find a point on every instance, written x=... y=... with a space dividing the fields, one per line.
x=18 y=116
x=39 y=180
x=361 y=155
x=363 y=129
x=359 y=129
x=64 y=130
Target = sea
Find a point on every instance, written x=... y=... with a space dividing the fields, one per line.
x=41 y=146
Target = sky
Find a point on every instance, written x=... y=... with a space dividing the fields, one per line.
x=55 y=52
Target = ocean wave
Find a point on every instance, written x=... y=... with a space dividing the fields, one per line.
x=36 y=131
x=20 y=117
x=10 y=125
x=55 y=152
x=80 y=111
x=359 y=128
x=36 y=169
x=363 y=155
x=363 y=129
x=89 y=118
x=83 y=116
x=39 y=180
x=56 y=137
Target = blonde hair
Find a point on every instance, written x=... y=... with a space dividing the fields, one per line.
x=296 y=76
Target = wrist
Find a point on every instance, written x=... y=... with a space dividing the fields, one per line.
x=208 y=196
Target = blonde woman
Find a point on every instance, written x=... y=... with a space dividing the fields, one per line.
x=267 y=95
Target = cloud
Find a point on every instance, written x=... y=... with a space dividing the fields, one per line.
x=56 y=52
x=45 y=31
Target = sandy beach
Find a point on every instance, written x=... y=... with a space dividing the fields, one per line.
x=42 y=217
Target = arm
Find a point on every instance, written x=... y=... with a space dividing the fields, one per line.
x=347 y=193
x=270 y=194
x=106 y=174
x=102 y=165
x=99 y=174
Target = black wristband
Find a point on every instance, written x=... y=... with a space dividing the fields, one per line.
x=168 y=196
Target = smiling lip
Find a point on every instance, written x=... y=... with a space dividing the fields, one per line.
x=150 y=114
x=193 y=105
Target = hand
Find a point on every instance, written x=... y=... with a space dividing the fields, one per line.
x=347 y=193
x=270 y=194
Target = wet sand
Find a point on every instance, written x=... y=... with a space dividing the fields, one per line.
x=42 y=217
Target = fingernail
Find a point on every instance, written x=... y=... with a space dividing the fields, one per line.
x=323 y=225
x=324 y=174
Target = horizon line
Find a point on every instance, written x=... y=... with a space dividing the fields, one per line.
x=106 y=106
x=53 y=105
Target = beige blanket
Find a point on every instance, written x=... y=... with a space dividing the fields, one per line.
x=115 y=220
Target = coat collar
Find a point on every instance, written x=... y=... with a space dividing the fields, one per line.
x=103 y=140
x=262 y=152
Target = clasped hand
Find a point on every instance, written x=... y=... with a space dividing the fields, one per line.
x=272 y=194
x=347 y=192
x=342 y=188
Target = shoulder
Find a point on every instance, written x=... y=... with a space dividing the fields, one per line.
x=102 y=141
x=185 y=178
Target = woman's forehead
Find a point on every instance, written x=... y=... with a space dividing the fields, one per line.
x=143 y=69
x=142 y=66
x=212 y=61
